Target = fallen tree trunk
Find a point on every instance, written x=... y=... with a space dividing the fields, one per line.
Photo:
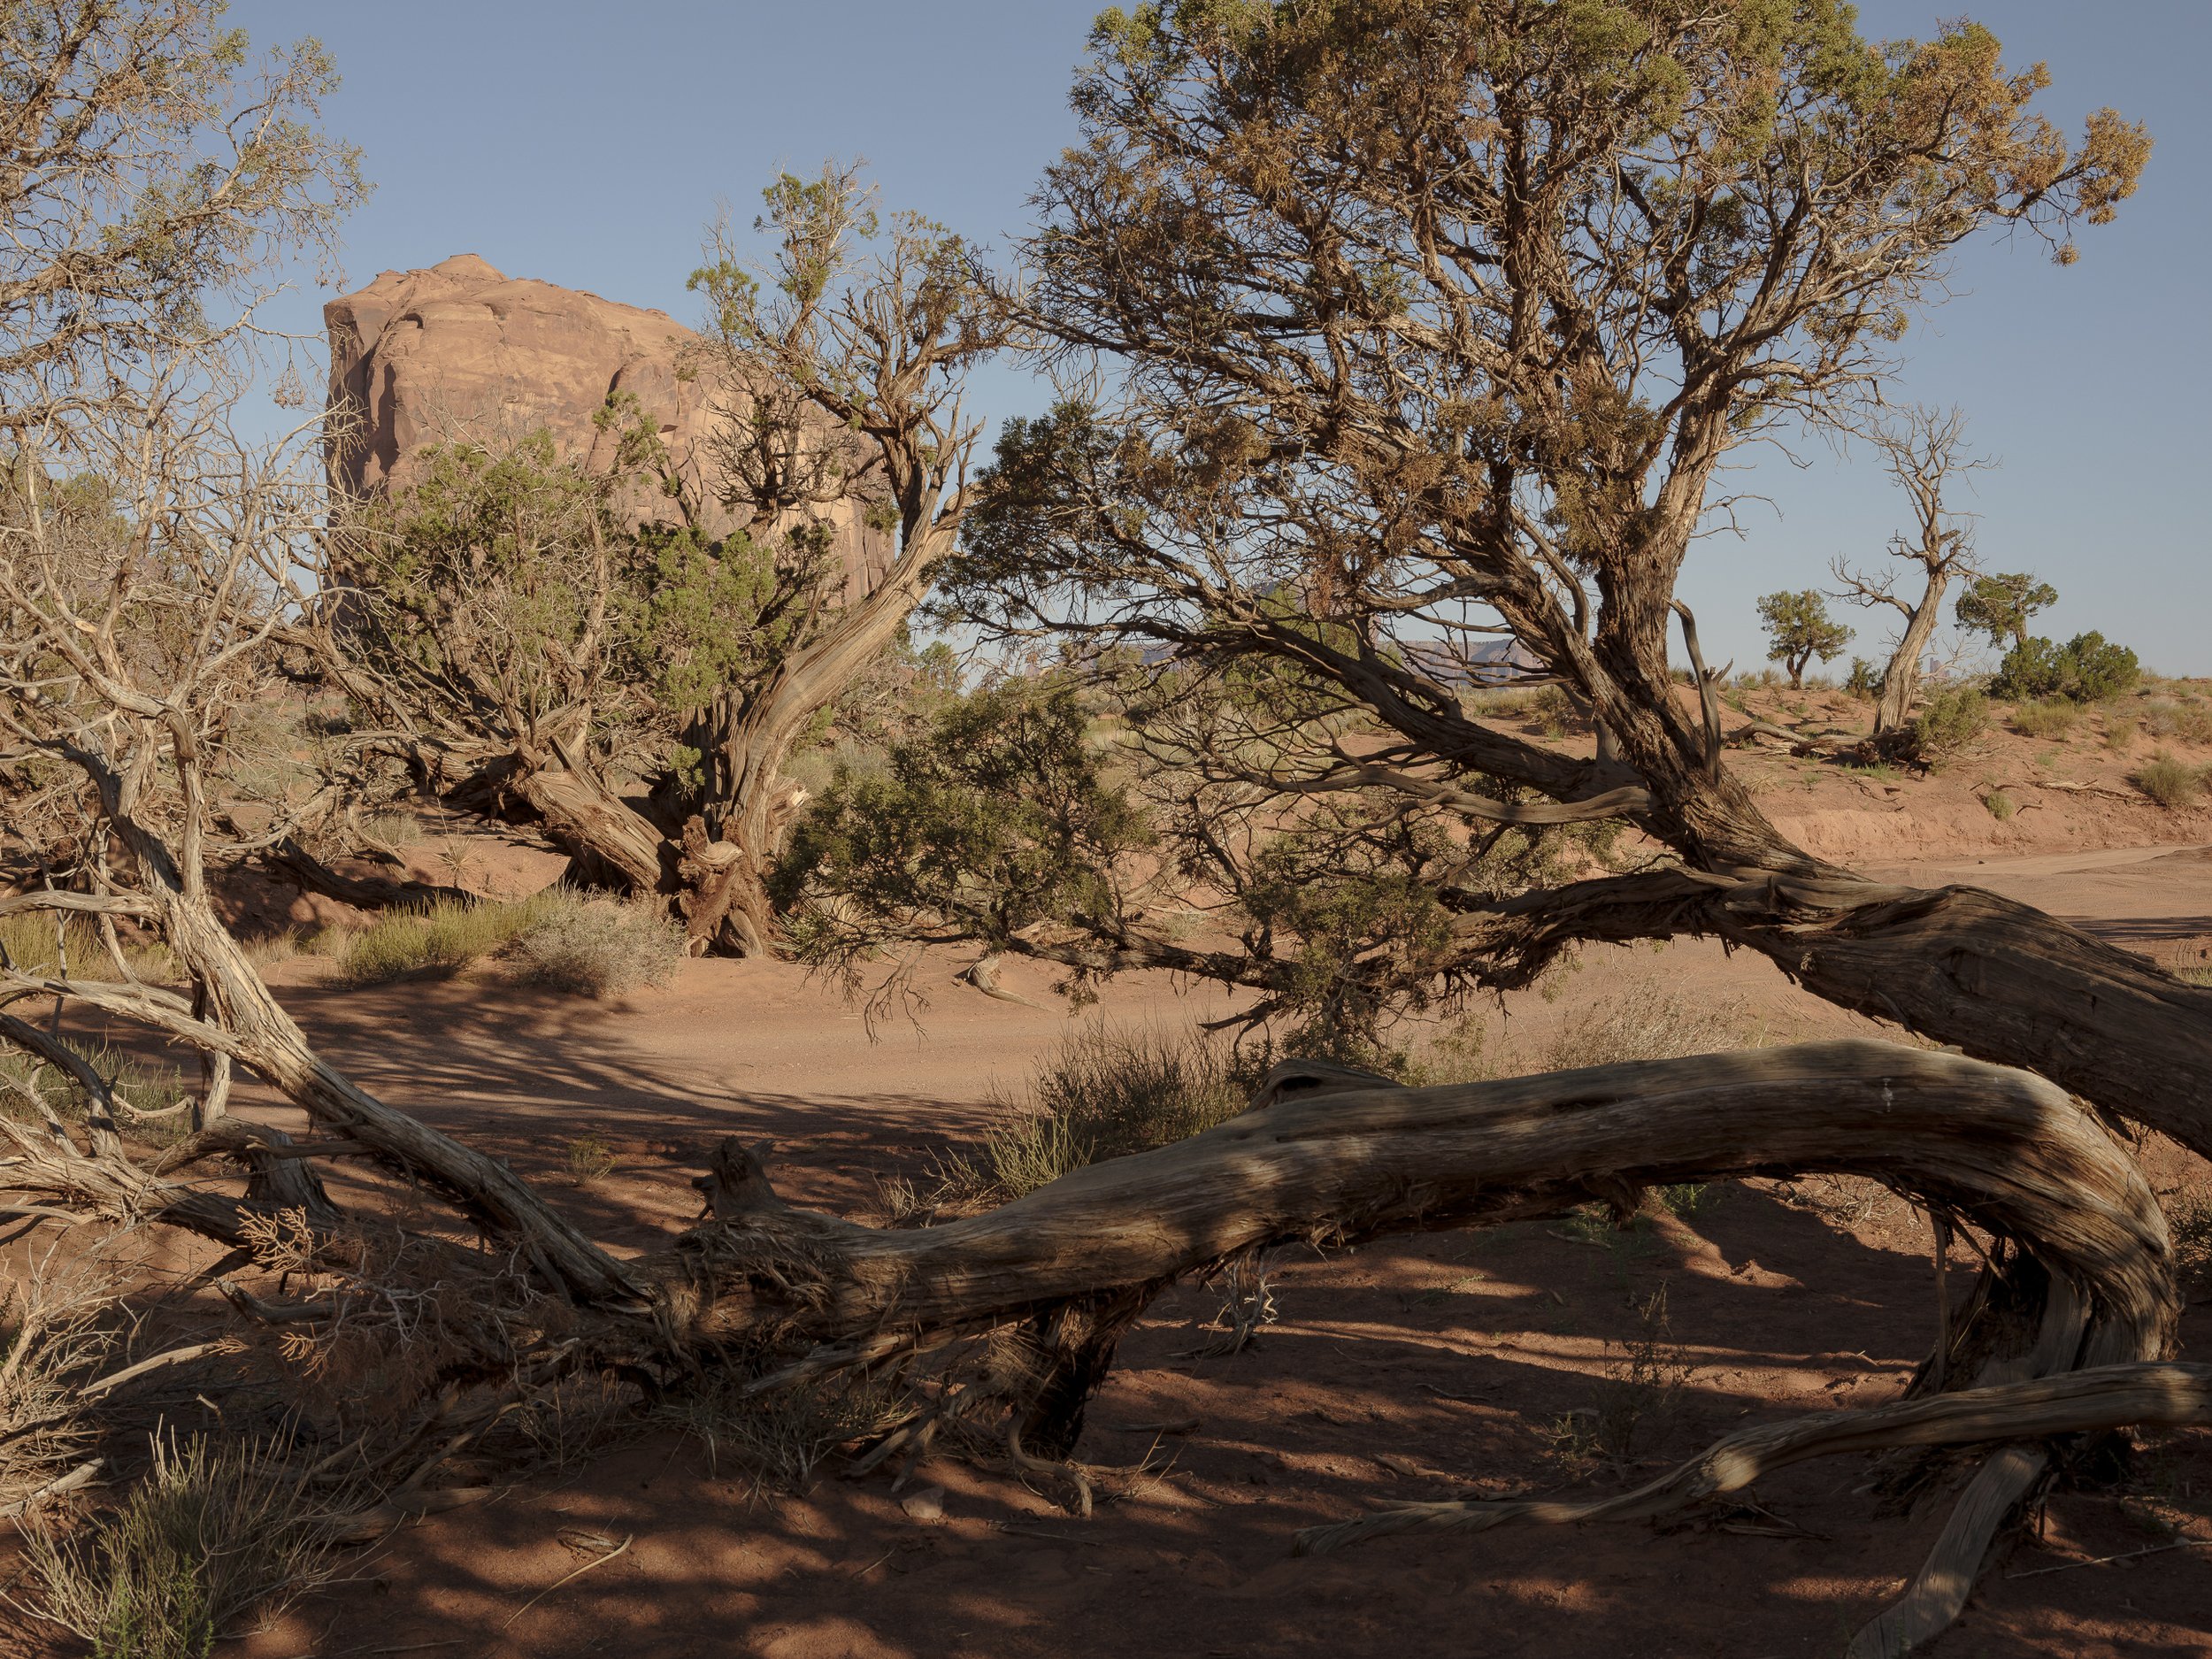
x=1999 y=980
x=1335 y=1163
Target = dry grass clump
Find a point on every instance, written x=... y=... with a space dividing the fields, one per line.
x=2002 y=806
x=591 y=1159
x=2050 y=717
x=559 y=939
x=444 y=936
x=2189 y=1218
x=152 y=1097
x=211 y=1533
x=1106 y=1093
x=596 y=947
x=2190 y=722
x=1649 y=1022
x=2169 y=782
x=780 y=1437
x=37 y=942
x=54 y=1335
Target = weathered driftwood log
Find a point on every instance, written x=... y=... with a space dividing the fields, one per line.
x=1337 y=1162
x=1334 y=1156
x=1999 y=979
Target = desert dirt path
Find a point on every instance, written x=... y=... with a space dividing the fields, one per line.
x=1419 y=1368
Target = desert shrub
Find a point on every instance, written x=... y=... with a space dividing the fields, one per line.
x=1496 y=703
x=2190 y=722
x=1947 y=723
x=53 y=1332
x=2168 y=781
x=1104 y=1094
x=1864 y=681
x=590 y=1159
x=210 y=1532
x=2051 y=717
x=1649 y=1022
x=444 y=935
x=2120 y=733
x=1639 y=1397
x=596 y=947
x=780 y=1436
x=2002 y=806
x=1555 y=710
x=2086 y=669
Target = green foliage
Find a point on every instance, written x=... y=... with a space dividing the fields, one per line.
x=1864 y=679
x=1798 y=628
x=210 y=1532
x=2169 y=782
x=1691 y=1199
x=2002 y=806
x=999 y=816
x=2000 y=607
x=513 y=596
x=2085 y=669
x=1947 y=724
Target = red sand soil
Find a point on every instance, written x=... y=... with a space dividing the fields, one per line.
x=1419 y=1368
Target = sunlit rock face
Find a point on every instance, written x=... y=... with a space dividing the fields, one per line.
x=463 y=351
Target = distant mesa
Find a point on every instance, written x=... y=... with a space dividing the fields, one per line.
x=463 y=351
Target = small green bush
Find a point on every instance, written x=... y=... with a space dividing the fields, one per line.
x=1864 y=681
x=2168 y=782
x=1947 y=724
x=2086 y=669
x=2002 y=806
x=2051 y=717
x=208 y=1535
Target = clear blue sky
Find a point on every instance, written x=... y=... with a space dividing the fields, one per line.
x=588 y=144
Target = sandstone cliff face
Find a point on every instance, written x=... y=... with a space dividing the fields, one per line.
x=463 y=351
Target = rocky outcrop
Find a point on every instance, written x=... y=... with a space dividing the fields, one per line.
x=462 y=351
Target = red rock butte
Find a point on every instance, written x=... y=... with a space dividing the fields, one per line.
x=462 y=351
